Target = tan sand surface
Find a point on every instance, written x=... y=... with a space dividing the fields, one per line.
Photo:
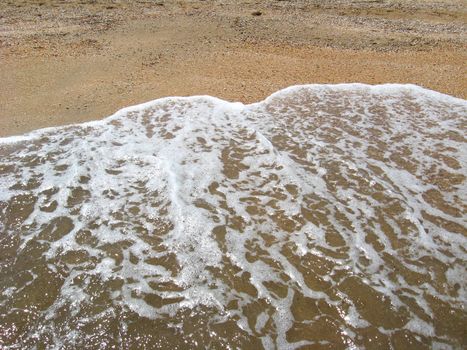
x=71 y=61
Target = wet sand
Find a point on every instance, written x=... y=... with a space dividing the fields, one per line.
x=74 y=61
x=327 y=217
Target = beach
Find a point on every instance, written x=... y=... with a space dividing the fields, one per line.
x=65 y=62
x=305 y=190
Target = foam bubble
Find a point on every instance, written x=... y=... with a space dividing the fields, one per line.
x=326 y=214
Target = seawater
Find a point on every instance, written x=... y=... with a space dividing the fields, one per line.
x=325 y=217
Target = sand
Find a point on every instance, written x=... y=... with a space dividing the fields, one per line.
x=72 y=61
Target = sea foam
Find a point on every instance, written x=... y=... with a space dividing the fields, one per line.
x=325 y=215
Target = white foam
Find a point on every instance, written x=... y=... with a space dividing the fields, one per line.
x=183 y=190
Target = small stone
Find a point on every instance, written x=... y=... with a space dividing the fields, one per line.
x=256 y=13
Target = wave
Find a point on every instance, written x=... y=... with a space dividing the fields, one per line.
x=325 y=215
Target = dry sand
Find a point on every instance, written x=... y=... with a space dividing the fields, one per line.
x=72 y=61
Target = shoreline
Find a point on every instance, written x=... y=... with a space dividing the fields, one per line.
x=377 y=87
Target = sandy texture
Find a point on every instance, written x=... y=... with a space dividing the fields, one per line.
x=71 y=61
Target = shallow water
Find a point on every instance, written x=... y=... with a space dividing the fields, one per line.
x=326 y=216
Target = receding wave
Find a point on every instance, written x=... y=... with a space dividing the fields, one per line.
x=325 y=216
